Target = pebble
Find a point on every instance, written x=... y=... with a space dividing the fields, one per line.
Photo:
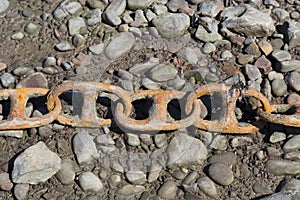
x=159 y=9
x=78 y=40
x=167 y=190
x=178 y=174
x=226 y=55
x=132 y=139
x=292 y=156
x=220 y=174
x=293 y=98
x=3 y=66
x=273 y=152
x=209 y=48
x=263 y=64
x=281 y=14
x=293 y=33
x=95 y=17
x=36 y=164
x=177 y=83
x=219 y=142
x=4 y=4
x=252 y=72
x=139 y=4
x=90 y=182
x=240 y=141
x=136 y=177
x=129 y=191
x=84 y=147
x=35 y=80
x=227 y=158
x=211 y=36
x=7 y=79
x=12 y=133
x=113 y=11
x=64 y=46
x=293 y=80
x=149 y=84
x=96 y=49
x=275 y=75
x=162 y=72
x=190 y=178
x=135 y=31
x=279 y=87
x=283 y=167
x=174 y=5
x=32 y=28
x=17 y=36
x=210 y=8
x=119 y=45
x=266 y=47
x=291 y=184
x=66 y=174
x=21 y=191
x=5 y=182
x=177 y=24
x=281 y=55
x=75 y=24
x=259 y=189
x=292 y=144
x=277 y=137
x=66 y=8
x=207 y=186
x=189 y=55
x=160 y=140
x=287 y=195
x=289 y=65
x=185 y=150
x=114 y=180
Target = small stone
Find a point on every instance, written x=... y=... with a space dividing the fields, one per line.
x=64 y=46
x=227 y=158
x=163 y=72
x=4 y=4
x=132 y=139
x=160 y=140
x=279 y=87
x=295 y=14
x=136 y=177
x=7 y=79
x=240 y=141
x=36 y=164
x=167 y=190
x=35 y=80
x=176 y=84
x=281 y=55
x=265 y=46
x=159 y=9
x=66 y=8
x=113 y=11
x=245 y=59
x=31 y=28
x=189 y=55
x=138 y=4
x=90 y=182
x=292 y=156
x=17 y=36
x=211 y=8
x=274 y=75
x=174 y=5
x=5 y=183
x=293 y=80
x=281 y=14
x=277 y=137
x=129 y=191
x=2 y=66
x=114 y=180
x=141 y=68
x=289 y=65
x=119 y=45
x=135 y=31
x=66 y=174
x=293 y=98
x=293 y=33
x=273 y=152
x=78 y=40
x=75 y=24
x=207 y=186
x=292 y=144
x=190 y=178
x=226 y=55
x=177 y=24
x=220 y=174
x=283 y=167
x=95 y=17
x=209 y=48
x=286 y=195
x=96 y=49
x=291 y=184
x=252 y=72
x=21 y=191
x=149 y=84
x=208 y=36
x=263 y=64
x=252 y=49
x=49 y=61
x=259 y=189
x=12 y=133
x=219 y=142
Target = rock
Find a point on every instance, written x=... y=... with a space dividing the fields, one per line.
x=84 y=147
x=287 y=195
x=209 y=48
x=141 y=68
x=32 y=28
x=277 y=137
x=5 y=183
x=66 y=8
x=2 y=66
x=167 y=190
x=154 y=172
x=252 y=72
x=35 y=80
x=208 y=36
x=159 y=9
x=240 y=141
x=291 y=184
x=135 y=31
x=114 y=180
x=293 y=34
x=279 y=87
x=281 y=14
x=211 y=8
x=227 y=158
x=160 y=140
x=220 y=174
x=119 y=45
x=64 y=46
x=174 y=5
x=292 y=156
x=149 y=84
x=243 y=20
x=185 y=150
x=78 y=40
x=293 y=80
x=66 y=174
x=189 y=55
x=36 y=164
x=12 y=133
x=138 y=4
x=283 y=167
x=95 y=17
x=292 y=144
x=163 y=72
x=259 y=189
x=275 y=75
x=289 y=65
x=17 y=36
x=252 y=49
x=21 y=191
x=129 y=191
x=265 y=46
x=132 y=139
x=113 y=11
x=293 y=98
x=207 y=186
x=97 y=48
x=90 y=182
x=7 y=79
x=4 y=4
x=263 y=64
x=281 y=55
x=75 y=25
x=171 y=25
x=136 y=177
x=219 y=142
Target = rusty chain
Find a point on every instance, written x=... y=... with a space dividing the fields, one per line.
x=159 y=118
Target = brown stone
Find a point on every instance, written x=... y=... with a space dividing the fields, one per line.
x=265 y=46
x=35 y=80
x=263 y=64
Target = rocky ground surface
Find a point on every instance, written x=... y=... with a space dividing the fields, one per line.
x=150 y=44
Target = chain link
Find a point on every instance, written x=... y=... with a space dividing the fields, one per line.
x=159 y=118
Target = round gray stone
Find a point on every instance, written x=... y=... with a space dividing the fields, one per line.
x=207 y=186
x=292 y=144
x=167 y=190
x=66 y=174
x=279 y=87
x=163 y=72
x=293 y=80
x=220 y=174
x=136 y=177
x=283 y=167
x=4 y=4
x=227 y=158
x=21 y=191
x=90 y=182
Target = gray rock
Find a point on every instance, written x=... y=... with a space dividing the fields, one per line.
x=160 y=140
x=138 y=4
x=293 y=98
x=159 y=9
x=95 y=17
x=12 y=133
x=75 y=24
x=32 y=28
x=281 y=55
x=135 y=31
x=281 y=14
x=252 y=72
x=17 y=36
x=5 y=182
x=277 y=137
x=220 y=174
x=141 y=68
x=226 y=55
x=167 y=190
x=113 y=11
x=294 y=34
x=136 y=177
x=36 y=164
x=207 y=186
x=259 y=189
x=209 y=48
x=273 y=152
x=119 y=45
x=21 y=191
x=171 y=25
x=66 y=8
x=105 y=139
x=211 y=8
x=208 y=36
x=275 y=75
x=293 y=80
x=90 y=182
x=287 y=195
x=7 y=79
x=114 y=180
x=174 y=5
x=279 y=87
x=35 y=80
x=283 y=167
x=185 y=150
x=66 y=174
x=132 y=139
x=243 y=20
x=190 y=178
x=240 y=141
x=154 y=172
x=149 y=84
x=78 y=40
x=291 y=184
x=129 y=191
x=292 y=156
x=84 y=147
x=4 y=4
x=189 y=55
x=289 y=65
x=292 y=144
x=163 y=72
x=97 y=48
x=227 y=158
x=176 y=84
x=64 y=46
x=219 y=142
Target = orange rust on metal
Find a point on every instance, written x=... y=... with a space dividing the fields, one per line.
x=158 y=119
x=18 y=99
x=292 y=119
x=90 y=92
